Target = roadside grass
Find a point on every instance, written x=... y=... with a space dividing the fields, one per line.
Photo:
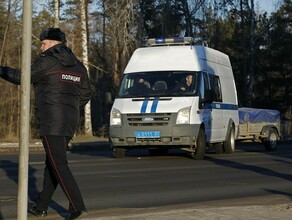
x=88 y=138
x=76 y=139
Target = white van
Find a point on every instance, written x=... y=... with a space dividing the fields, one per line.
x=157 y=109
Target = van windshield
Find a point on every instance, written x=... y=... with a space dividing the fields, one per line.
x=166 y=83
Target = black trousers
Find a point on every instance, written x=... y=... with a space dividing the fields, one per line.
x=57 y=173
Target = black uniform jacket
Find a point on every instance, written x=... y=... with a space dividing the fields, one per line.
x=61 y=87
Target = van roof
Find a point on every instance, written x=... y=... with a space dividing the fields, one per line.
x=175 y=58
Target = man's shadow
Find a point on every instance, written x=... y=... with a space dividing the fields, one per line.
x=11 y=170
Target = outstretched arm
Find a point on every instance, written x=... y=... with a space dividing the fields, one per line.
x=10 y=74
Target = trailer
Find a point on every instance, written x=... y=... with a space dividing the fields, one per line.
x=259 y=125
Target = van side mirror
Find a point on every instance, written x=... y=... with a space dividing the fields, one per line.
x=108 y=98
x=208 y=99
x=209 y=96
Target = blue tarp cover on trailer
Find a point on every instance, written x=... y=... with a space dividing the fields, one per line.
x=254 y=115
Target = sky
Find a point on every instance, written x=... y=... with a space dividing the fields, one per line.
x=268 y=5
x=265 y=5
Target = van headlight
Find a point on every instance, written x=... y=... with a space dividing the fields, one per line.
x=116 y=117
x=183 y=116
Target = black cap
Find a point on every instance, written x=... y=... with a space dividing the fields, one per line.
x=53 y=34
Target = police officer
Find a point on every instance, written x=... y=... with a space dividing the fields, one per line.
x=61 y=87
x=186 y=85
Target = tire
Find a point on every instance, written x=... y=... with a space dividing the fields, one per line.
x=200 y=151
x=229 y=143
x=119 y=152
x=219 y=149
x=271 y=141
x=158 y=151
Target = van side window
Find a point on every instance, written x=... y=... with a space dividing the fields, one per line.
x=216 y=87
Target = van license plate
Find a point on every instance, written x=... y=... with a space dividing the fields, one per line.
x=147 y=134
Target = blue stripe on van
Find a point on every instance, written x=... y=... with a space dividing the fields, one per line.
x=223 y=106
x=144 y=106
x=154 y=105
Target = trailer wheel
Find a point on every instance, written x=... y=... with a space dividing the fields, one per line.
x=271 y=141
x=200 y=151
x=229 y=144
x=119 y=152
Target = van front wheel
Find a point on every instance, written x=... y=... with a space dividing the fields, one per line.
x=200 y=151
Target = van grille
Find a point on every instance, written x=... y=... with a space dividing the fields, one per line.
x=157 y=119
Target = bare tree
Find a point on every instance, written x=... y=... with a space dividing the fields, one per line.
x=6 y=31
x=250 y=76
x=243 y=38
x=87 y=110
x=10 y=56
x=188 y=18
x=56 y=13
x=120 y=31
x=194 y=7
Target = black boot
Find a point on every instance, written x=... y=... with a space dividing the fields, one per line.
x=37 y=212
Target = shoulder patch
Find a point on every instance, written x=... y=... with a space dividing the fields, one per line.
x=70 y=77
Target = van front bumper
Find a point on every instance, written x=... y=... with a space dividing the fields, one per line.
x=176 y=136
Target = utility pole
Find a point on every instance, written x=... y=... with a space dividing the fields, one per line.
x=25 y=106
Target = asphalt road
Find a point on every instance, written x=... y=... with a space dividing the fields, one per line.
x=143 y=181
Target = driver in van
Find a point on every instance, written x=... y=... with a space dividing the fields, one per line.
x=186 y=84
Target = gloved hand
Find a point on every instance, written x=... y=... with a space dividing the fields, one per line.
x=10 y=74
x=3 y=71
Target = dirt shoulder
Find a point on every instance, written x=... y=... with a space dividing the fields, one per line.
x=256 y=208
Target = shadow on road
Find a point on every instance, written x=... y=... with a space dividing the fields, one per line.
x=256 y=169
x=91 y=148
x=11 y=170
x=279 y=192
